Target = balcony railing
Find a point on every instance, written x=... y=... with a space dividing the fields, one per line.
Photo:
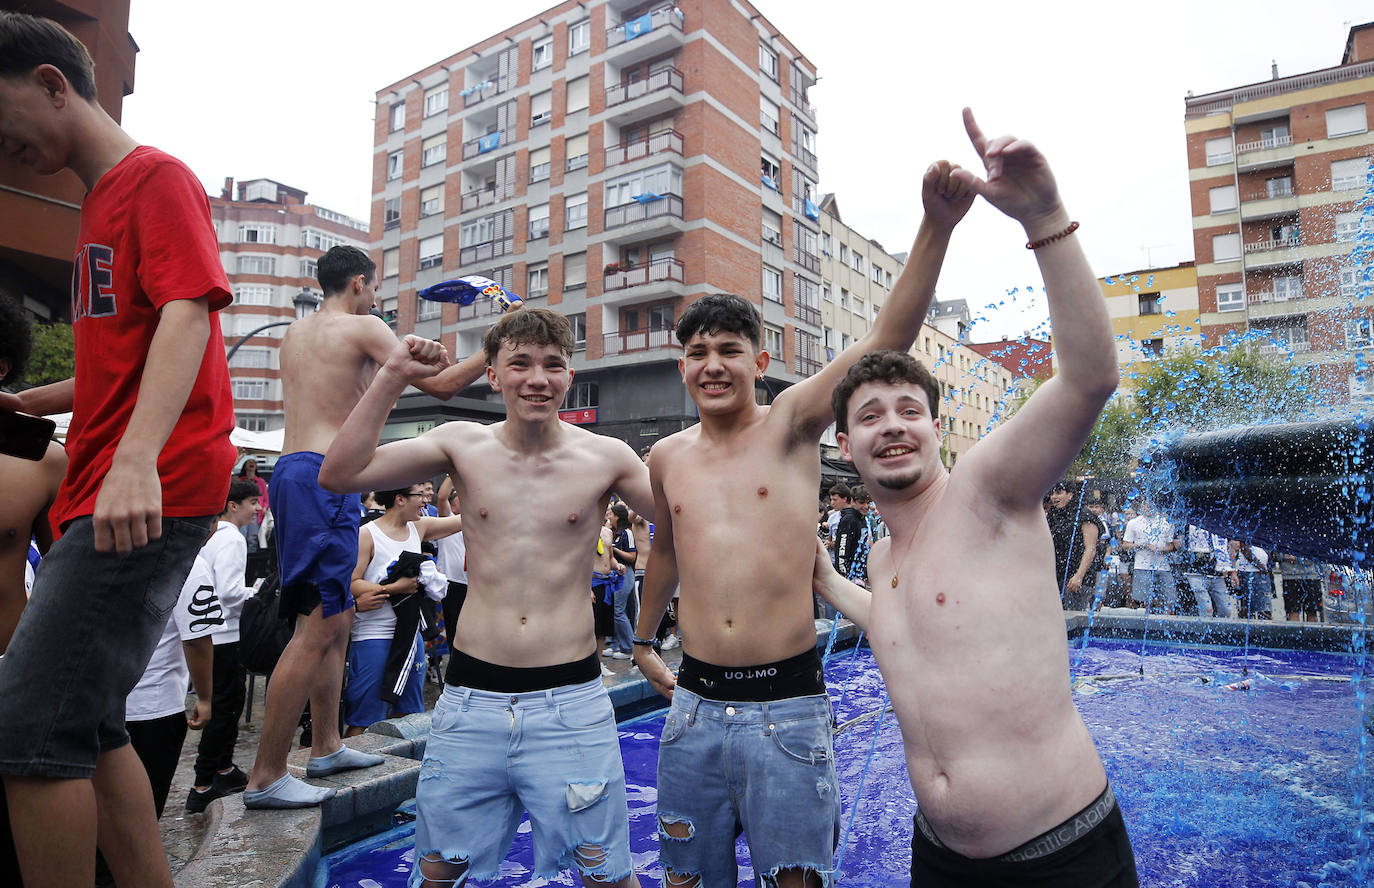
x=1211 y=103
x=480 y=92
x=1276 y=348
x=1257 y=297
x=640 y=210
x=805 y=155
x=806 y=260
x=666 y=269
x=799 y=99
x=479 y=309
x=1264 y=144
x=488 y=250
x=663 y=16
x=654 y=143
x=809 y=314
x=634 y=341
x=482 y=144
x=664 y=78
x=1281 y=243
x=807 y=366
x=1270 y=194
x=479 y=198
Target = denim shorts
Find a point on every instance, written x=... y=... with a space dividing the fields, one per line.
x=554 y=753
x=317 y=537
x=769 y=767
x=82 y=644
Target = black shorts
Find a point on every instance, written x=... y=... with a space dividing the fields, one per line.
x=1099 y=857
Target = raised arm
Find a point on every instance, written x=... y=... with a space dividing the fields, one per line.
x=438 y=528
x=354 y=462
x=1056 y=420
x=946 y=199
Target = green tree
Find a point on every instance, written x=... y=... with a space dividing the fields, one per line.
x=1195 y=389
x=54 y=354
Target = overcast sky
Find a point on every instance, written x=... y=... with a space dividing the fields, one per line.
x=285 y=90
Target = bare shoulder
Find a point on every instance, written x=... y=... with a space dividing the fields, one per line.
x=55 y=460
x=673 y=446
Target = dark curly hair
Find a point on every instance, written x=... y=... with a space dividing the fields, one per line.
x=720 y=313
x=887 y=366
x=529 y=326
x=16 y=338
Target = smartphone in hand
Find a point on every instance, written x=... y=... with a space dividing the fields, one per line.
x=25 y=436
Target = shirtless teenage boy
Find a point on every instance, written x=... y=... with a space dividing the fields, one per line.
x=524 y=720
x=964 y=615
x=749 y=662
x=327 y=360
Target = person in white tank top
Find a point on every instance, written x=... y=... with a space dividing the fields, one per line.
x=401 y=529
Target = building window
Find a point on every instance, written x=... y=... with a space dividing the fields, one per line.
x=1279 y=186
x=1349 y=226
x=579 y=37
x=887 y=279
x=427 y=309
x=260 y=191
x=844 y=254
x=1349 y=174
x=579 y=94
x=575 y=212
x=877 y=275
x=432 y=251
x=768 y=114
x=1361 y=386
x=770 y=173
x=251 y=422
x=250 y=389
x=1152 y=348
x=257 y=234
x=825 y=242
x=310 y=268
x=431 y=200
x=1353 y=283
x=1346 y=121
x=478 y=231
x=768 y=61
x=1225 y=247
x=398 y=116
x=825 y=292
x=539 y=165
x=435 y=150
x=539 y=221
x=252 y=295
x=772 y=228
x=578 y=322
x=1219 y=151
x=660 y=180
x=1230 y=297
x=575 y=273
x=319 y=240
x=844 y=299
x=541 y=108
x=857 y=262
x=582 y=395
x=436 y=100
x=575 y=148
x=1287 y=287
x=538 y=280
x=393 y=165
x=1358 y=333
x=391 y=212
x=772 y=341
x=1222 y=199
x=543 y=53
x=772 y=284
x=257 y=265
x=391 y=262
x=1149 y=304
x=254 y=358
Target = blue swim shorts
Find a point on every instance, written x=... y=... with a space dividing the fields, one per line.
x=554 y=753
x=317 y=537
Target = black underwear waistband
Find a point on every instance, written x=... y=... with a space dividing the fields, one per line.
x=470 y=672
x=799 y=676
x=1051 y=840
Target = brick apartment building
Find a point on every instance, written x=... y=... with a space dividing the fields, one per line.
x=1277 y=170
x=269 y=241
x=612 y=160
x=36 y=256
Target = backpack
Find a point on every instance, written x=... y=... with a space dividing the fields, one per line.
x=263 y=634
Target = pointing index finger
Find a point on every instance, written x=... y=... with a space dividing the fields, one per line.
x=975 y=135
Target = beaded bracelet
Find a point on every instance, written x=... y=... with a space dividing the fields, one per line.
x=1035 y=245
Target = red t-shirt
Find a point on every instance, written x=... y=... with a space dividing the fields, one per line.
x=145 y=240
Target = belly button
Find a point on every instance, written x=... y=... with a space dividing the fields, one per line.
x=729 y=624
x=523 y=620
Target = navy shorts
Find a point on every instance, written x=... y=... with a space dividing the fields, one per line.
x=82 y=644
x=317 y=537
x=363 y=703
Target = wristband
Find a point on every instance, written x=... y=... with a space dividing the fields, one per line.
x=644 y=641
x=1035 y=245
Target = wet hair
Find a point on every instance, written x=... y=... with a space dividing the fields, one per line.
x=720 y=313
x=885 y=366
x=529 y=326
x=240 y=490
x=387 y=498
x=340 y=265
x=16 y=338
x=27 y=41
x=842 y=491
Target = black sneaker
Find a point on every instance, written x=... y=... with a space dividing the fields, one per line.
x=197 y=800
x=234 y=781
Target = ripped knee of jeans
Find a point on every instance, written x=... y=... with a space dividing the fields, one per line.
x=793 y=877
x=675 y=828
x=438 y=871
x=680 y=880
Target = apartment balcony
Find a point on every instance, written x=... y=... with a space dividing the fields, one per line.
x=807 y=314
x=655 y=33
x=1269 y=203
x=490 y=86
x=1273 y=252
x=806 y=156
x=482 y=197
x=619 y=343
x=488 y=250
x=1264 y=297
x=802 y=105
x=654 y=96
x=1284 y=348
x=645 y=217
x=483 y=144
x=1264 y=153
x=482 y=308
x=804 y=366
x=806 y=260
x=661 y=277
x=667 y=141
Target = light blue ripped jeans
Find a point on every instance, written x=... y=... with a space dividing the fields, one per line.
x=492 y=756
x=767 y=766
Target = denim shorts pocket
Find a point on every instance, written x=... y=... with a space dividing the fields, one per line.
x=674 y=726
x=445 y=716
x=169 y=568
x=587 y=714
x=804 y=740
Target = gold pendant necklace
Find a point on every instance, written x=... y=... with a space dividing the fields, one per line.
x=896 y=563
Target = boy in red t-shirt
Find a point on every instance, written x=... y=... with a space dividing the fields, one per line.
x=149 y=465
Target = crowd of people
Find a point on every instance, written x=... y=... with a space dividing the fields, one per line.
x=967 y=629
